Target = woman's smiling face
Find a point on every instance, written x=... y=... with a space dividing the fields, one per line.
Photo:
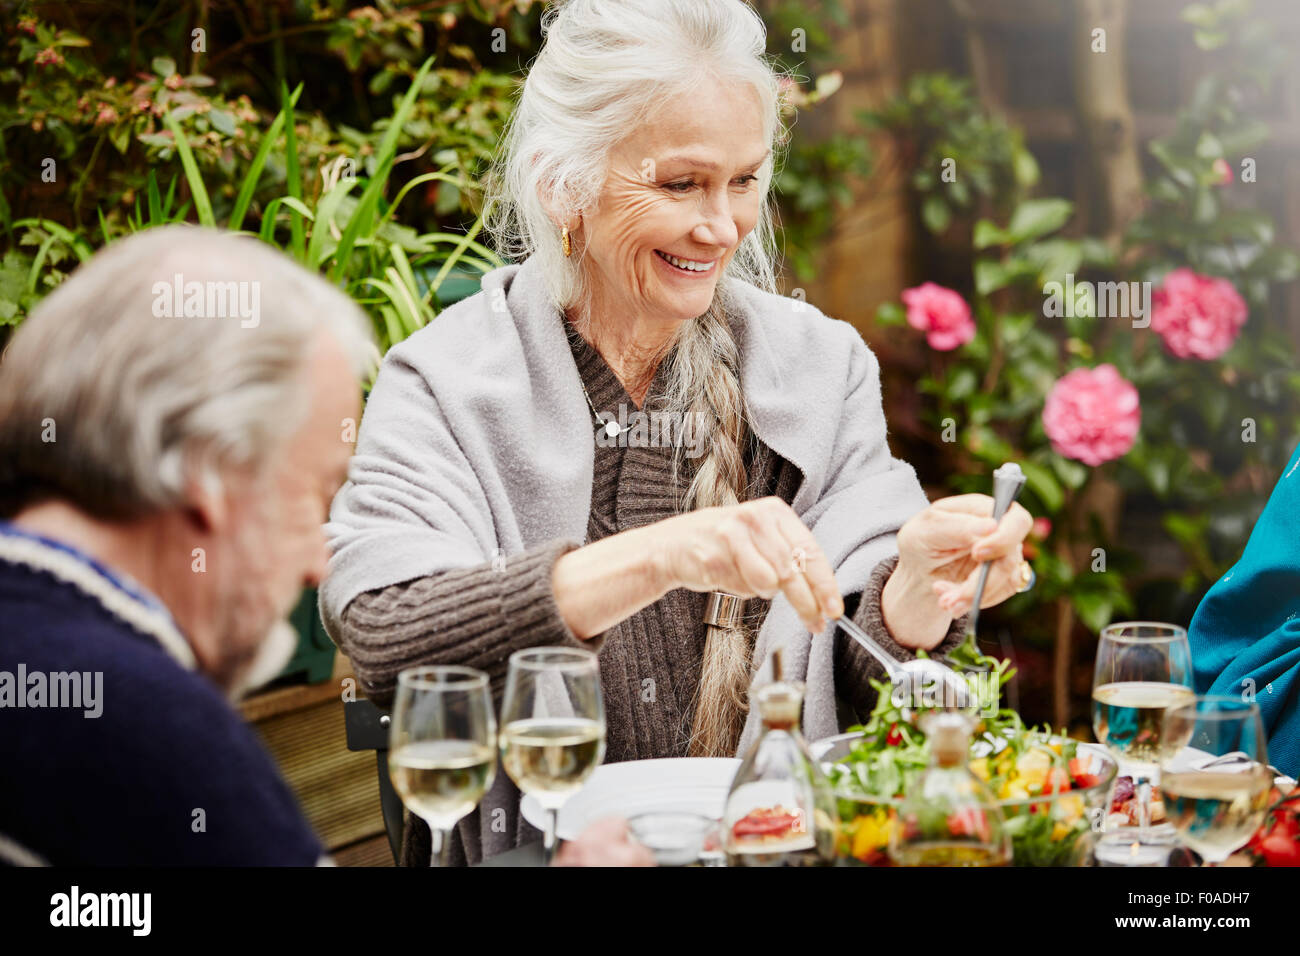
x=682 y=191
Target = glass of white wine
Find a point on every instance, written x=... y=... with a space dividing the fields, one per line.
x=552 y=726
x=442 y=746
x=1143 y=669
x=1218 y=798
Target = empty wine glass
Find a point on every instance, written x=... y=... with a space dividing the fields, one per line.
x=1217 y=797
x=1143 y=668
x=552 y=726
x=442 y=746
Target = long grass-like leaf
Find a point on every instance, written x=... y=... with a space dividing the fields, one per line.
x=170 y=199
x=452 y=239
x=456 y=253
x=199 y=192
x=103 y=225
x=293 y=175
x=400 y=272
x=419 y=181
x=34 y=273
x=362 y=220
x=267 y=232
x=403 y=266
x=254 y=173
x=392 y=325
x=154 y=199
x=325 y=211
x=403 y=308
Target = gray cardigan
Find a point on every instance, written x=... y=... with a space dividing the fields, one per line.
x=477 y=444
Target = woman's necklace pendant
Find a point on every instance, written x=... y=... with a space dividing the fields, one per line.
x=612 y=429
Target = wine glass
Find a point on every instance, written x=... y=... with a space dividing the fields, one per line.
x=552 y=726
x=442 y=746
x=1143 y=668
x=1217 y=798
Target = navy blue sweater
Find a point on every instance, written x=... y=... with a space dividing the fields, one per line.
x=167 y=774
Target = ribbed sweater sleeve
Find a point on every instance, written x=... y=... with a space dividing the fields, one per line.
x=854 y=665
x=475 y=617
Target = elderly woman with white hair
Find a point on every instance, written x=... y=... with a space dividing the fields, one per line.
x=513 y=486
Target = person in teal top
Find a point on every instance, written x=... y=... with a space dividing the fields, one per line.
x=1245 y=635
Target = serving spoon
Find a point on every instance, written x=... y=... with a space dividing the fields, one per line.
x=915 y=675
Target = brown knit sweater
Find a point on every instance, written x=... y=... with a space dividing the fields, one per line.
x=649 y=663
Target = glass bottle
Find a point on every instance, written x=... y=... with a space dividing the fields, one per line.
x=948 y=816
x=780 y=810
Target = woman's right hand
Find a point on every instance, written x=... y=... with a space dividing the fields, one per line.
x=752 y=549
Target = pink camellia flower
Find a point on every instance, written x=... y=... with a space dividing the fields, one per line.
x=1197 y=316
x=941 y=314
x=1092 y=415
x=1222 y=172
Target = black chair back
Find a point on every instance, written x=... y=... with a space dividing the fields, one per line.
x=367 y=729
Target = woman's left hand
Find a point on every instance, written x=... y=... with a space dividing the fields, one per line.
x=943 y=547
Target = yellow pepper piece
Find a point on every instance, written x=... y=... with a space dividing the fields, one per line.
x=871 y=833
x=1033 y=766
x=1071 y=807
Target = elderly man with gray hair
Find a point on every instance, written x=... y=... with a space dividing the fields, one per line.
x=167 y=458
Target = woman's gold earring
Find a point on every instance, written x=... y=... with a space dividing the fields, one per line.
x=564 y=242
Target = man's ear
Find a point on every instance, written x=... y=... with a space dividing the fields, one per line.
x=205 y=500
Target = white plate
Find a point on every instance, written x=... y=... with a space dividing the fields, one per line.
x=696 y=784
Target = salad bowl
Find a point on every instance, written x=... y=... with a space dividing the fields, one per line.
x=1053 y=791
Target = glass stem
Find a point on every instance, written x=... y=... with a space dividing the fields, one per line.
x=548 y=840
x=1144 y=803
x=438 y=840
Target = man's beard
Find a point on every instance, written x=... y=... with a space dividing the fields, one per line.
x=256 y=640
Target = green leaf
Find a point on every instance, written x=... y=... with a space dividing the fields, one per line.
x=223 y=122
x=1095 y=609
x=1025 y=168
x=890 y=313
x=69 y=238
x=935 y=214
x=259 y=162
x=987 y=234
x=1043 y=483
x=202 y=205
x=1208 y=146
x=154 y=199
x=164 y=66
x=363 y=219
x=990 y=275
x=1072 y=473
x=1037 y=217
x=292 y=174
x=961 y=383
x=325 y=212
